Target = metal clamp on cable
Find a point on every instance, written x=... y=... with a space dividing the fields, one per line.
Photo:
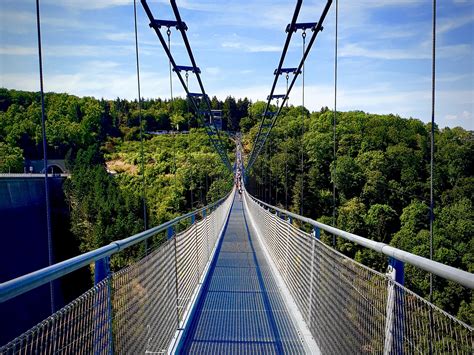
x=279 y=96
x=197 y=95
x=155 y=23
x=286 y=70
x=187 y=68
x=302 y=26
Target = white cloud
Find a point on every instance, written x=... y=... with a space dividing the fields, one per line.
x=252 y=48
x=248 y=44
x=464 y=115
x=356 y=50
x=420 y=52
x=89 y=5
x=17 y=21
x=448 y=24
x=23 y=22
x=213 y=71
x=68 y=50
x=96 y=82
x=18 y=50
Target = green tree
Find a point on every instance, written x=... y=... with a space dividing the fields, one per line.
x=11 y=159
x=348 y=177
x=351 y=218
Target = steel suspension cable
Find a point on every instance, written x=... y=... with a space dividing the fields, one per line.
x=334 y=125
x=189 y=133
x=45 y=158
x=265 y=174
x=257 y=148
x=142 y=150
x=168 y=33
x=433 y=92
x=270 y=173
x=193 y=61
x=302 y=129
x=275 y=80
x=432 y=147
x=181 y=26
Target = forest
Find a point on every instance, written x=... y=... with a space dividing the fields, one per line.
x=381 y=173
x=100 y=141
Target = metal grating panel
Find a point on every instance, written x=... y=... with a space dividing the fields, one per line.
x=241 y=309
x=135 y=310
x=78 y=327
x=349 y=308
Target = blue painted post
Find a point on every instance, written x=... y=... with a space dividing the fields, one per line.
x=102 y=270
x=399 y=268
x=169 y=232
x=103 y=321
x=317 y=233
x=395 y=315
x=193 y=219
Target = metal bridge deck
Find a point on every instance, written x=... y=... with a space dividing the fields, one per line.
x=241 y=309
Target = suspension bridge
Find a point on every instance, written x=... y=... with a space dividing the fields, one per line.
x=241 y=275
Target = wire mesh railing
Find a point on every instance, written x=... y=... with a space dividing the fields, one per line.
x=348 y=307
x=139 y=309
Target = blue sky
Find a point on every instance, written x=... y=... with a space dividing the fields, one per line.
x=384 y=47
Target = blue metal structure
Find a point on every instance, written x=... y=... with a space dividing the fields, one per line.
x=200 y=101
x=187 y=68
x=267 y=123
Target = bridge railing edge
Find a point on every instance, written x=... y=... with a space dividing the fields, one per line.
x=22 y=284
x=447 y=272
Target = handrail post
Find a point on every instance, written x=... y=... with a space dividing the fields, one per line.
x=393 y=341
x=196 y=246
x=169 y=235
x=204 y=216
x=101 y=270
x=103 y=321
x=289 y=221
x=315 y=235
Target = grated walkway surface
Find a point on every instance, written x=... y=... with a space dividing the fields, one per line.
x=241 y=309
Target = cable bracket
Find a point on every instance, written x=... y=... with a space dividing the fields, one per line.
x=286 y=70
x=302 y=26
x=279 y=96
x=187 y=68
x=155 y=23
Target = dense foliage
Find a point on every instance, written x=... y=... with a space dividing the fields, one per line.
x=74 y=123
x=100 y=141
x=381 y=173
x=382 y=182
